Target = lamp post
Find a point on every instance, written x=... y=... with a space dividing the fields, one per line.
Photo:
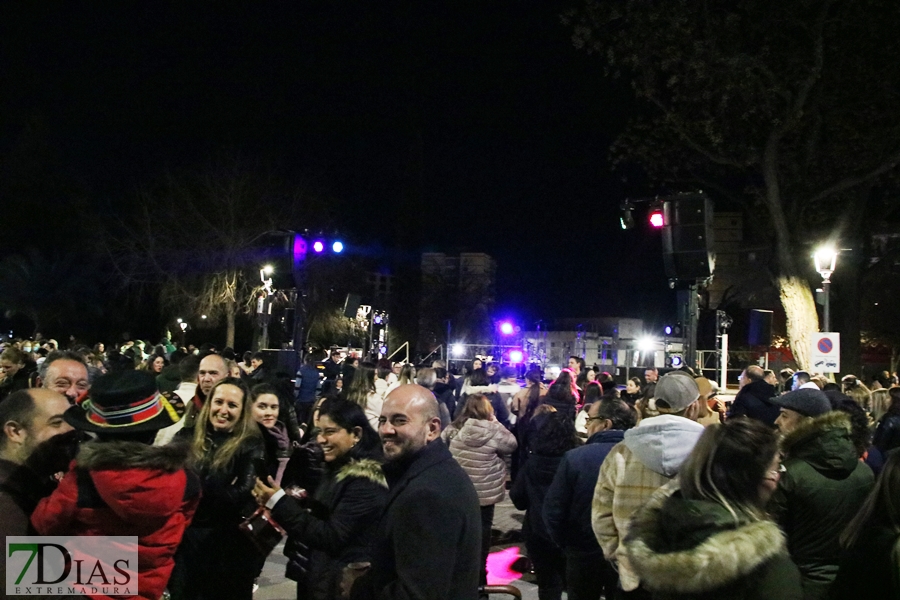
x=825 y=259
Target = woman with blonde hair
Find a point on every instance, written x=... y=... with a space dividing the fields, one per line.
x=881 y=400
x=364 y=391
x=215 y=560
x=482 y=446
x=711 y=537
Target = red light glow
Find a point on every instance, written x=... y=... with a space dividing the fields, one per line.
x=656 y=219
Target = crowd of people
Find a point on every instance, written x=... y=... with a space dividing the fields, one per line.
x=384 y=477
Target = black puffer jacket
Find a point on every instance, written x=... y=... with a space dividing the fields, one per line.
x=694 y=549
x=887 y=434
x=822 y=488
x=337 y=530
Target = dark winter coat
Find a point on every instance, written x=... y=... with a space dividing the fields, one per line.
x=216 y=560
x=227 y=497
x=821 y=490
x=871 y=568
x=567 y=506
x=693 y=549
x=428 y=544
x=753 y=400
x=530 y=489
x=128 y=489
x=887 y=434
x=20 y=491
x=338 y=531
x=308 y=384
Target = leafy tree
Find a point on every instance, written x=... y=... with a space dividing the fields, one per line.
x=200 y=240
x=785 y=108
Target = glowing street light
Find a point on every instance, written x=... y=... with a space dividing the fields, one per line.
x=826 y=259
x=268 y=269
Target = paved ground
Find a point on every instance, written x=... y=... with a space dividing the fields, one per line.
x=507 y=523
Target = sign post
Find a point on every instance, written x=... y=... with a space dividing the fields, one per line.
x=826 y=352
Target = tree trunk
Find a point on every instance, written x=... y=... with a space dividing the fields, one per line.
x=802 y=319
x=230 y=307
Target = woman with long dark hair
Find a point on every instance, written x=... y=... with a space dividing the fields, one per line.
x=528 y=401
x=336 y=528
x=711 y=538
x=554 y=436
x=870 y=562
x=215 y=560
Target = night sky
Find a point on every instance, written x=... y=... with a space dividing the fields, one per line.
x=433 y=125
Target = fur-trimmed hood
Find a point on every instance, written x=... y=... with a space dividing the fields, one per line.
x=691 y=546
x=365 y=468
x=132 y=455
x=825 y=443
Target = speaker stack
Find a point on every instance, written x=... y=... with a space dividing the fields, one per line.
x=688 y=237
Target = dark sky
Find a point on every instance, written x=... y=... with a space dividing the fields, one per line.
x=444 y=125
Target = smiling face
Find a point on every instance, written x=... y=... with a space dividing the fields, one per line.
x=631 y=388
x=68 y=377
x=406 y=425
x=334 y=439
x=265 y=410
x=225 y=407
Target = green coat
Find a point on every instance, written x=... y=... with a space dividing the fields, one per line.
x=695 y=550
x=821 y=490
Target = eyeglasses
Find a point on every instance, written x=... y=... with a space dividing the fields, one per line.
x=596 y=419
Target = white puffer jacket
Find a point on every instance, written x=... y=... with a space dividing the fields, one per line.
x=480 y=448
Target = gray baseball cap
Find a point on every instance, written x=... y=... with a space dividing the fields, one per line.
x=676 y=391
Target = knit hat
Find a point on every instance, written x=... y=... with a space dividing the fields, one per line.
x=807 y=402
x=676 y=391
x=125 y=402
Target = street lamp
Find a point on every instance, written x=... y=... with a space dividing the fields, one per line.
x=825 y=259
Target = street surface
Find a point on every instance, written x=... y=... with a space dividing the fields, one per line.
x=274 y=586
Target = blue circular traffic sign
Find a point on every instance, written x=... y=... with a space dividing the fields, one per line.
x=825 y=346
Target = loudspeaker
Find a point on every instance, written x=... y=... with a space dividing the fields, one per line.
x=759 y=330
x=351 y=305
x=688 y=237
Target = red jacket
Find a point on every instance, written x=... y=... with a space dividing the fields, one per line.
x=126 y=488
